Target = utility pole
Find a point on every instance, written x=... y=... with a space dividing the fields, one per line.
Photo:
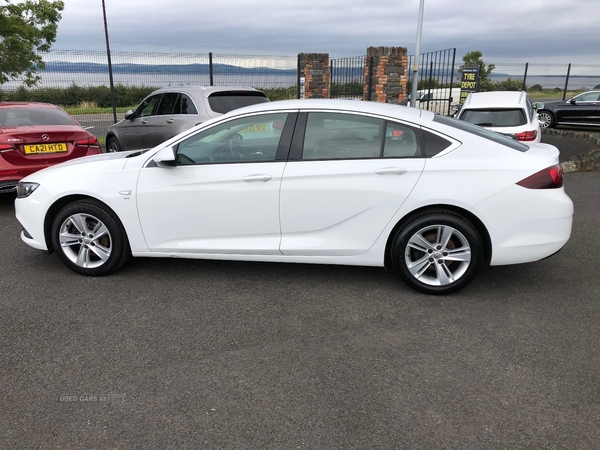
x=415 y=67
x=110 y=73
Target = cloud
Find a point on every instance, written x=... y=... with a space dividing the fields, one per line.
x=533 y=29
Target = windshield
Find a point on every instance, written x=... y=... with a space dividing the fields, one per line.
x=481 y=132
x=28 y=116
x=223 y=102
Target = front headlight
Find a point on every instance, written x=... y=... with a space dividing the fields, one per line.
x=25 y=188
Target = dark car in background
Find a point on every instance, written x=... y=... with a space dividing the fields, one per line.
x=581 y=110
x=34 y=136
x=169 y=111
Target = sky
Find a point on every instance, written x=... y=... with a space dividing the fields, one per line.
x=505 y=31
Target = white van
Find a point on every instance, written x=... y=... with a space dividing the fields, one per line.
x=437 y=100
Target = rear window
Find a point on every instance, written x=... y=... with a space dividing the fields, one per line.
x=495 y=117
x=223 y=102
x=17 y=117
x=481 y=132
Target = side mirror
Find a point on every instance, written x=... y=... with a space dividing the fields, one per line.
x=573 y=101
x=538 y=105
x=129 y=115
x=165 y=157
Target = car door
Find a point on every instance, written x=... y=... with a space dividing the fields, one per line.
x=222 y=197
x=346 y=178
x=184 y=116
x=136 y=132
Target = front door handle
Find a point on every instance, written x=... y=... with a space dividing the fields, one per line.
x=258 y=177
x=170 y=121
x=143 y=121
x=391 y=171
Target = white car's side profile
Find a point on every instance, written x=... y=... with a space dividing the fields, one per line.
x=310 y=181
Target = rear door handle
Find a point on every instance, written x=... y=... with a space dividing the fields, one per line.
x=144 y=121
x=258 y=177
x=391 y=171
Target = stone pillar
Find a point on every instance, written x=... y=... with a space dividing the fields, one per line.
x=314 y=67
x=389 y=77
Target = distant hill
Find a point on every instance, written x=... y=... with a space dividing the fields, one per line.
x=181 y=69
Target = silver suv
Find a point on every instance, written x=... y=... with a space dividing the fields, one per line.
x=169 y=111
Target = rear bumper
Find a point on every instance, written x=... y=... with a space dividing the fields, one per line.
x=527 y=226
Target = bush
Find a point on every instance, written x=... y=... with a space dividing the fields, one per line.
x=280 y=93
x=505 y=85
x=536 y=88
x=75 y=95
x=354 y=88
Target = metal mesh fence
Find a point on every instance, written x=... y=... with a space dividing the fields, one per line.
x=89 y=68
x=550 y=76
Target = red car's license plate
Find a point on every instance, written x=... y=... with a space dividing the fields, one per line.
x=44 y=148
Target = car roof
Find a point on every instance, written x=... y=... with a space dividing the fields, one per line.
x=495 y=99
x=27 y=104
x=205 y=90
x=384 y=109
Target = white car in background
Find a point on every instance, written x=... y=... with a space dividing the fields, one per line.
x=507 y=112
x=310 y=181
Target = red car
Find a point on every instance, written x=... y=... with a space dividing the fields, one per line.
x=37 y=135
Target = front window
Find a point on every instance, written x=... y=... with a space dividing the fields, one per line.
x=147 y=106
x=587 y=97
x=247 y=139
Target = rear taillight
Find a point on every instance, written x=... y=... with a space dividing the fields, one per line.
x=526 y=135
x=89 y=142
x=6 y=147
x=549 y=178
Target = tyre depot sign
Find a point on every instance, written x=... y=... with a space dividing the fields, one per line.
x=469 y=82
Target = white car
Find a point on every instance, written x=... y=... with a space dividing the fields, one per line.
x=507 y=112
x=310 y=181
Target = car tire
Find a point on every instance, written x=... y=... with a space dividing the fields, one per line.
x=89 y=238
x=112 y=145
x=437 y=253
x=546 y=119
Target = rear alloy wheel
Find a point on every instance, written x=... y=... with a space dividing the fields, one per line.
x=437 y=253
x=89 y=239
x=546 y=119
x=112 y=145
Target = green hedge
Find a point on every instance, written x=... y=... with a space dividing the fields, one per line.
x=125 y=96
x=75 y=95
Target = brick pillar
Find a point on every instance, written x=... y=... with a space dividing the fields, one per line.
x=314 y=67
x=389 y=77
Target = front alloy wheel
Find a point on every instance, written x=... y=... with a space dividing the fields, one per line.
x=437 y=253
x=112 y=145
x=89 y=238
x=546 y=119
